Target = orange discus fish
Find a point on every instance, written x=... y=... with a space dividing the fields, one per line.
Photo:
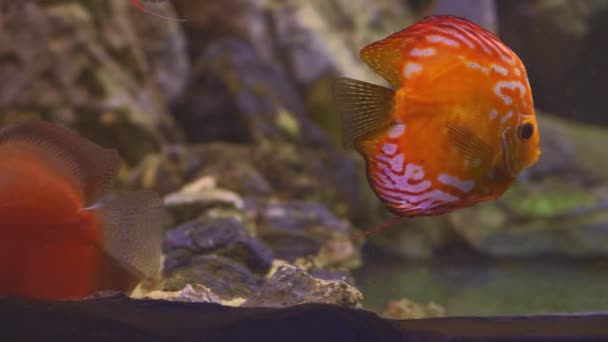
x=457 y=127
x=58 y=239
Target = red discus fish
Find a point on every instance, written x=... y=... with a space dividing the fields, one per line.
x=58 y=239
x=457 y=127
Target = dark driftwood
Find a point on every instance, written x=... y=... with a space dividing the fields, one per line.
x=119 y=318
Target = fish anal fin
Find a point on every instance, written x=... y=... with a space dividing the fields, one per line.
x=473 y=147
x=385 y=57
x=365 y=108
x=91 y=166
x=131 y=231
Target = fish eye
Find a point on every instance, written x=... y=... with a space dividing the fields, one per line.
x=526 y=130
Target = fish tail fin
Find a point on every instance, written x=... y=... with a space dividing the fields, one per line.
x=131 y=231
x=84 y=164
x=365 y=108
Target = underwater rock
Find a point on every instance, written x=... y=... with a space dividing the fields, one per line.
x=227 y=278
x=115 y=87
x=408 y=309
x=296 y=229
x=238 y=97
x=191 y=293
x=221 y=236
x=193 y=198
x=263 y=73
x=289 y=285
x=223 y=165
x=235 y=209
x=572 y=85
x=255 y=174
x=305 y=40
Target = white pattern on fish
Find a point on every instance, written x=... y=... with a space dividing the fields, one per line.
x=499 y=69
x=505 y=147
x=422 y=52
x=396 y=130
x=455 y=35
x=427 y=201
x=506 y=117
x=462 y=185
x=390 y=149
x=396 y=163
x=436 y=38
x=399 y=191
x=473 y=36
x=411 y=68
x=402 y=181
x=475 y=66
x=509 y=85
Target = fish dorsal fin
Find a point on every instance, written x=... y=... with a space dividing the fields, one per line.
x=385 y=57
x=365 y=108
x=92 y=167
x=466 y=140
x=131 y=231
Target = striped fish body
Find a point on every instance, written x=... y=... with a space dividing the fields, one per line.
x=456 y=128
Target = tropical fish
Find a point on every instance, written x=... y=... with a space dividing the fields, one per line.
x=141 y=7
x=458 y=125
x=60 y=238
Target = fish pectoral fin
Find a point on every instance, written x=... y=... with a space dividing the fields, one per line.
x=365 y=109
x=131 y=231
x=83 y=162
x=468 y=142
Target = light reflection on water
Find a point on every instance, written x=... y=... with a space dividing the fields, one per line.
x=474 y=285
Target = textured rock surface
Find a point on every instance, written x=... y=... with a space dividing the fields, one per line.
x=226 y=277
x=222 y=236
x=117 y=83
x=289 y=286
x=197 y=293
x=300 y=229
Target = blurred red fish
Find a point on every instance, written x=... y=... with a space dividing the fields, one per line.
x=457 y=127
x=58 y=239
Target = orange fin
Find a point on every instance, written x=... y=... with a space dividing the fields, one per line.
x=131 y=231
x=472 y=146
x=385 y=57
x=93 y=167
x=365 y=108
